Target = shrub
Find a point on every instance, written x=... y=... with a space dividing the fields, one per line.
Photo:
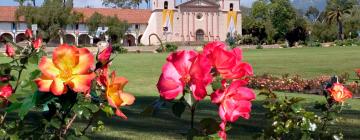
x=314 y=44
x=169 y=47
x=290 y=120
x=247 y=39
x=231 y=41
x=118 y=48
x=259 y=46
x=348 y=42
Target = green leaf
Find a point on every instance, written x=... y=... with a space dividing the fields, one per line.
x=178 y=108
x=296 y=108
x=33 y=59
x=34 y=74
x=77 y=132
x=209 y=125
x=108 y=110
x=55 y=123
x=216 y=84
x=28 y=104
x=13 y=107
x=92 y=107
x=296 y=99
x=18 y=68
x=2 y=133
x=189 y=98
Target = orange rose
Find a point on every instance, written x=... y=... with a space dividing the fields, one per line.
x=69 y=67
x=115 y=94
x=339 y=93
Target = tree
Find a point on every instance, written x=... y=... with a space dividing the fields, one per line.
x=282 y=16
x=95 y=21
x=351 y=22
x=51 y=17
x=21 y=2
x=122 y=3
x=336 y=10
x=116 y=30
x=312 y=14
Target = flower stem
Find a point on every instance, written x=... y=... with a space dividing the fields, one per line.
x=192 y=116
x=70 y=123
x=18 y=80
x=3 y=118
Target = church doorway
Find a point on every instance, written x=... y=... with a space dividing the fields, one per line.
x=129 y=40
x=20 y=37
x=200 y=35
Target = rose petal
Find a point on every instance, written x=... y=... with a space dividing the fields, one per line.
x=81 y=83
x=57 y=87
x=65 y=57
x=48 y=68
x=86 y=61
x=43 y=83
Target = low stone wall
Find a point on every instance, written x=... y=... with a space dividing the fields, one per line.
x=152 y=49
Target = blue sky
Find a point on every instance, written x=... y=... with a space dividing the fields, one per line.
x=96 y=3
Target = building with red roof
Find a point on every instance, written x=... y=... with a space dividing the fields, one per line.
x=78 y=34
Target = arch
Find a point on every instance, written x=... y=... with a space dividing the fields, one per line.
x=84 y=39
x=161 y=44
x=129 y=40
x=20 y=37
x=139 y=39
x=69 y=39
x=231 y=6
x=166 y=4
x=200 y=35
x=6 y=35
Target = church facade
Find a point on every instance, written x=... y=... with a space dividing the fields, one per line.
x=195 y=20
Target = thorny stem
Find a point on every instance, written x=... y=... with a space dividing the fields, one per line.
x=69 y=124
x=3 y=118
x=89 y=123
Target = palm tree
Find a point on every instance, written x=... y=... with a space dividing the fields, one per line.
x=336 y=10
x=34 y=2
x=21 y=2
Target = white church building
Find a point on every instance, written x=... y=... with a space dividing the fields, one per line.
x=195 y=20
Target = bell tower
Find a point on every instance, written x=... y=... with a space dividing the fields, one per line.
x=163 y=4
x=229 y=5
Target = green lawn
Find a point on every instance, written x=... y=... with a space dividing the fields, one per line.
x=143 y=71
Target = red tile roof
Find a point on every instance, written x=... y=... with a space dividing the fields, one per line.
x=8 y=14
x=129 y=15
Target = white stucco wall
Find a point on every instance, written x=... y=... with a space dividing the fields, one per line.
x=5 y=26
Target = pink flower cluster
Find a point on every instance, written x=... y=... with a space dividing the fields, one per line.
x=196 y=70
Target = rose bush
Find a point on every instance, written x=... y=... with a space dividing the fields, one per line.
x=71 y=85
x=290 y=120
x=188 y=73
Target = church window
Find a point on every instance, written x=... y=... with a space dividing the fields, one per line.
x=231 y=7
x=199 y=16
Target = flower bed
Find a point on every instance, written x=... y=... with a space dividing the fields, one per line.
x=298 y=84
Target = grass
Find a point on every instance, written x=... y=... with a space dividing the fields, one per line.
x=143 y=71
